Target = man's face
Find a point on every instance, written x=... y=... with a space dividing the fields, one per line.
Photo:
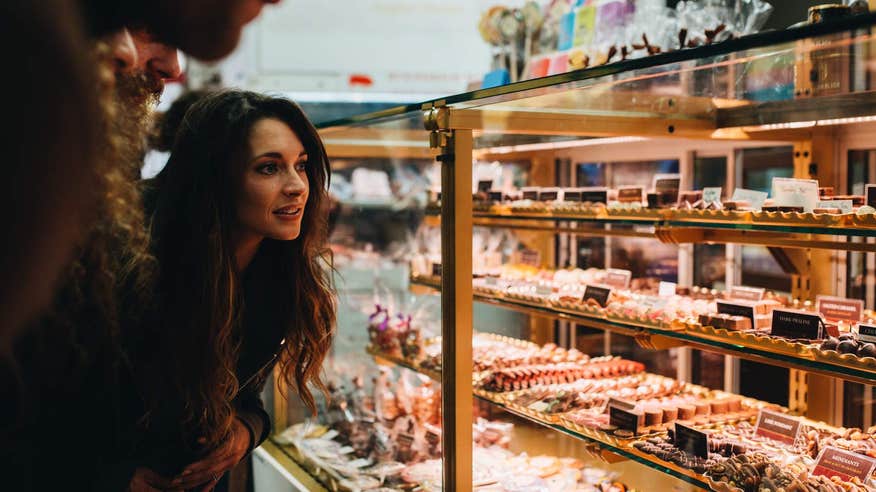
x=156 y=61
x=205 y=29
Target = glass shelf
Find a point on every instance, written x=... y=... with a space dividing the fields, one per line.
x=794 y=234
x=668 y=337
x=774 y=226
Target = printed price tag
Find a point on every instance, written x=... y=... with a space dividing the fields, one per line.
x=530 y=257
x=789 y=192
x=740 y=308
x=543 y=290
x=597 y=293
x=495 y=196
x=691 y=441
x=572 y=196
x=870 y=194
x=667 y=186
x=867 y=333
x=599 y=195
x=485 y=184
x=845 y=206
x=630 y=194
x=844 y=464
x=839 y=308
x=796 y=324
x=747 y=293
x=755 y=198
x=667 y=289
x=777 y=426
x=711 y=195
x=625 y=419
x=617 y=278
x=624 y=404
x=548 y=195
x=530 y=194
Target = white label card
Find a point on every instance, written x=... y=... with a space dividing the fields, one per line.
x=845 y=206
x=711 y=195
x=666 y=289
x=755 y=198
x=790 y=192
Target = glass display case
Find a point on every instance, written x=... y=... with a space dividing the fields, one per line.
x=612 y=278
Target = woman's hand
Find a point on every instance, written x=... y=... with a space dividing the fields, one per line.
x=146 y=480
x=206 y=472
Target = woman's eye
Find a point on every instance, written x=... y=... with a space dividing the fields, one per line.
x=301 y=166
x=268 y=168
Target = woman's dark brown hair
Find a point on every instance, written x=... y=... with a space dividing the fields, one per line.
x=201 y=296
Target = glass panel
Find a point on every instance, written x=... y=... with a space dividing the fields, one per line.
x=707 y=94
x=698 y=89
x=707 y=369
x=382 y=174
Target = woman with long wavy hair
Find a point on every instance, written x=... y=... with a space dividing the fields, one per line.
x=239 y=233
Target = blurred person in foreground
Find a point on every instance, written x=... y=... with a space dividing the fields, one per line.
x=58 y=124
x=68 y=380
x=51 y=144
x=205 y=29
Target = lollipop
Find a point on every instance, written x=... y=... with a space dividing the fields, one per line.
x=532 y=21
x=488 y=27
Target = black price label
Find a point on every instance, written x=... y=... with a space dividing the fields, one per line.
x=737 y=309
x=494 y=196
x=436 y=269
x=796 y=324
x=485 y=185
x=572 y=196
x=548 y=196
x=871 y=195
x=624 y=404
x=867 y=333
x=594 y=196
x=530 y=195
x=691 y=441
x=667 y=188
x=598 y=294
x=625 y=419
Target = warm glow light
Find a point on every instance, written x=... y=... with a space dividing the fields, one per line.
x=810 y=124
x=566 y=144
x=375 y=142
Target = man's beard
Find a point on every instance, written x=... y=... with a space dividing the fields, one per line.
x=136 y=97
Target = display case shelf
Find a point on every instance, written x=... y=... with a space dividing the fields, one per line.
x=603 y=444
x=799 y=230
x=676 y=334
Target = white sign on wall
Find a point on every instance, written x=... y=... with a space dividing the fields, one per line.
x=369 y=46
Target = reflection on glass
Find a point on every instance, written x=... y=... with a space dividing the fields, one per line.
x=861 y=170
x=711 y=266
x=759 y=167
x=662 y=362
x=707 y=369
x=645 y=258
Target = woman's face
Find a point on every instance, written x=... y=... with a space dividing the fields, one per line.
x=274 y=187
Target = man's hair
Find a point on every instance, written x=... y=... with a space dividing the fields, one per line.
x=166 y=125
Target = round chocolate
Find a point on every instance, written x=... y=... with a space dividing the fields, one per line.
x=829 y=344
x=867 y=350
x=847 y=347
